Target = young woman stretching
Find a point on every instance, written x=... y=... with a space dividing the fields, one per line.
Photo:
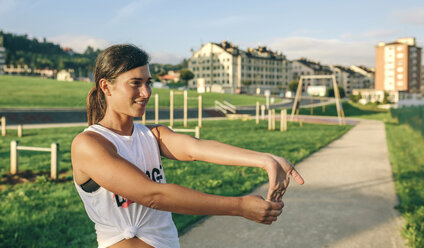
x=118 y=171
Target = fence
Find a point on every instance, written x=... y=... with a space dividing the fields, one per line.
x=14 y=156
x=412 y=116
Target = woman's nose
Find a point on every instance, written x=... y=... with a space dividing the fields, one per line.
x=145 y=91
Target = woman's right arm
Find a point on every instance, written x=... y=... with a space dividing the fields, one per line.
x=95 y=157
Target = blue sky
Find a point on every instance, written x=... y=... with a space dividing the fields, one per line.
x=332 y=32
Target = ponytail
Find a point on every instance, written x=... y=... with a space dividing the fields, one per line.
x=96 y=106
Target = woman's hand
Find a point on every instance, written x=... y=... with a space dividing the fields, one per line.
x=279 y=171
x=254 y=207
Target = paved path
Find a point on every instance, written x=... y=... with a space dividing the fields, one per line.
x=347 y=201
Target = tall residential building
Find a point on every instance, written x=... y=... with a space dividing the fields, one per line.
x=398 y=66
x=367 y=72
x=2 y=55
x=349 y=79
x=226 y=68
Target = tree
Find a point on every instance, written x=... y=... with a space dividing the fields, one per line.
x=186 y=74
x=293 y=85
x=246 y=82
x=330 y=92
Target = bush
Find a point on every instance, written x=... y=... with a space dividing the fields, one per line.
x=330 y=92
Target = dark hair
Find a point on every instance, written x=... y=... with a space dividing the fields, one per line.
x=112 y=62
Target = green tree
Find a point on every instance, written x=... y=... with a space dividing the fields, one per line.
x=330 y=92
x=186 y=75
x=293 y=85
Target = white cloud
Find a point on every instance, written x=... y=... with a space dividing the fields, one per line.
x=80 y=42
x=165 y=58
x=410 y=16
x=7 y=6
x=331 y=51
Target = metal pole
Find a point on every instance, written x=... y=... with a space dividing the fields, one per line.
x=171 y=108
x=185 y=108
x=54 y=162
x=156 y=109
x=14 y=157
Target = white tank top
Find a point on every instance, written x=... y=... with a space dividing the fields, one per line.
x=117 y=218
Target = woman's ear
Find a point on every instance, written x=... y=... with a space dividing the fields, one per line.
x=104 y=85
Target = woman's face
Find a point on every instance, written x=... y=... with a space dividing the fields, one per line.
x=130 y=92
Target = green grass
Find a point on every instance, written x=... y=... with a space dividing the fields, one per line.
x=406 y=148
x=50 y=214
x=24 y=92
x=350 y=109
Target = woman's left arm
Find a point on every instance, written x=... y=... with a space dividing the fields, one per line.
x=186 y=148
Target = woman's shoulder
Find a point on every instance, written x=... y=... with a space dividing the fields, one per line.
x=89 y=140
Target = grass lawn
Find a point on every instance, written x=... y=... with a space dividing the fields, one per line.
x=406 y=148
x=24 y=92
x=42 y=213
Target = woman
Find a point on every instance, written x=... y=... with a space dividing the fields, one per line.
x=119 y=175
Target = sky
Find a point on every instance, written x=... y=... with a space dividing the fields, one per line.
x=327 y=31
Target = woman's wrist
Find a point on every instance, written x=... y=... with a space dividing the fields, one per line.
x=268 y=162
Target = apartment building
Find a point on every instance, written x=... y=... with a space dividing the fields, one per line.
x=305 y=67
x=225 y=67
x=2 y=55
x=367 y=72
x=349 y=79
x=398 y=66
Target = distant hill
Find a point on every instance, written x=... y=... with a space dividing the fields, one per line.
x=21 y=50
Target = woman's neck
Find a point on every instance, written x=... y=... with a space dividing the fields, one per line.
x=122 y=125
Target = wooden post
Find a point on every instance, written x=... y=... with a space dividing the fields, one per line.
x=200 y=111
x=269 y=119
x=54 y=160
x=267 y=102
x=156 y=109
x=197 y=132
x=3 y=126
x=14 y=156
x=257 y=112
x=185 y=108
x=273 y=119
x=283 y=120
x=263 y=112
x=171 y=108
x=20 y=130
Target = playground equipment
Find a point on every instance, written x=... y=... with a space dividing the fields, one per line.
x=186 y=98
x=14 y=156
x=296 y=103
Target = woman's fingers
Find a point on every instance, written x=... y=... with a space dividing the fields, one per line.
x=297 y=177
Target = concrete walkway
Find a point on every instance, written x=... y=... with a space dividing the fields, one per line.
x=347 y=201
